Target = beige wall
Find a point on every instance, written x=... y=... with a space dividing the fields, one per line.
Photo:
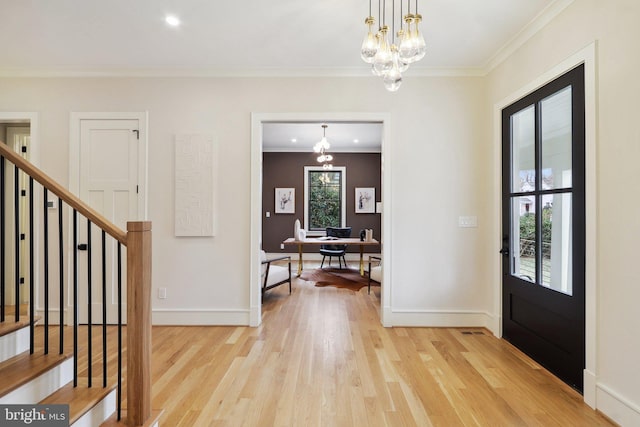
x=613 y=26
x=437 y=162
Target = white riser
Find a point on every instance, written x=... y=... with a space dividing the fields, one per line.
x=41 y=387
x=99 y=413
x=14 y=343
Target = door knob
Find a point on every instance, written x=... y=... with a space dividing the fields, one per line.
x=504 y=251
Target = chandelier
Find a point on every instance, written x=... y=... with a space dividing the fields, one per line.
x=391 y=55
x=321 y=147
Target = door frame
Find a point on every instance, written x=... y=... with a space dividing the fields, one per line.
x=586 y=56
x=255 y=304
x=74 y=165
x=32 y=119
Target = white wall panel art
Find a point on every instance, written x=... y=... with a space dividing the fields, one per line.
x=195 y=161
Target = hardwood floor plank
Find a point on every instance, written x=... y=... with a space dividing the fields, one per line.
x=322 y=358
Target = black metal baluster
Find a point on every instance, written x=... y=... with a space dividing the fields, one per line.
x=89 y=314
x=3 y=249
x=32 y=317
x=45 y=219
x=16 y=217
x=119 y=403
x=61 y=272
x=104 y=308
x=75 y=298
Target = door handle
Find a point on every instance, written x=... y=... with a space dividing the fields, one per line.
x=505 y=245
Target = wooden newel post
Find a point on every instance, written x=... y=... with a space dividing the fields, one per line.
x=138 y=322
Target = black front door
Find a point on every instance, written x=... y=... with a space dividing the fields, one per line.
x=543 y=201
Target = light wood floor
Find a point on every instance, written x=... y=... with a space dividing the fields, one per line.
x=321 y=358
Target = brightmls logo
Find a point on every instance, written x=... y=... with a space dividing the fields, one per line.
x=34 y=415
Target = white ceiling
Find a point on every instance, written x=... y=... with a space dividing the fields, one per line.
x=341 y=136
x=254 y=37
x=247 y=37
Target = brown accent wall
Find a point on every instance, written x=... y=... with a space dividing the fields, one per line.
x=287 y=170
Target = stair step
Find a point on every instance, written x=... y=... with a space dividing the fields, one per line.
x=153 y=421
x=10 y=325
x=23 y=368
x=82 y=399
x=14 y=337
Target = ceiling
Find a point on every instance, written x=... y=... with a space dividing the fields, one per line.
x=249 y=37
x=255 y=38
x=360 y=137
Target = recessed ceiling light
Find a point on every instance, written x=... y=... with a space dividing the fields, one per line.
x=172 y=20
x=355 y=141
x=294 y=140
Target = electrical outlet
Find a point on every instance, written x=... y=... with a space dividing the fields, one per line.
x=281 y=245
x=162 y=293
x=267 y=214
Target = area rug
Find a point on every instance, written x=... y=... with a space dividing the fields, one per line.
x=339 y=278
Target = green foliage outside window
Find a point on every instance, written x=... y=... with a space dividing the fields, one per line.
x=325 y=190
x=528 y=225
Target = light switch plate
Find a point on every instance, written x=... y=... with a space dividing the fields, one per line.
x=467 y=221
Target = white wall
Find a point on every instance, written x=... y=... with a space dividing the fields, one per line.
x=439 y=167
x=613 y=25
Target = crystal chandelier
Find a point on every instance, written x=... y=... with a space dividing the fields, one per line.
x=390 y=55
x=321 y=147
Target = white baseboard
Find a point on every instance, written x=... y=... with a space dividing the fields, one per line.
x=441 y=318
x=196 y=317
x=617 y=407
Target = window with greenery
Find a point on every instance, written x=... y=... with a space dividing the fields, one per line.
x=324 y=198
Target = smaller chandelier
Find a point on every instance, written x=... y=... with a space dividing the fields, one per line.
x=321 y=148
x=390 y=56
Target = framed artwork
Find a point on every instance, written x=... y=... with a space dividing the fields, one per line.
x=285 y=200
x=365 y=200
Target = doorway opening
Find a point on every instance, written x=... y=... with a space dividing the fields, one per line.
x=19 y=131
x=313 y=120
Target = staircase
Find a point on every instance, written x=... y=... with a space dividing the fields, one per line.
x=48 y=358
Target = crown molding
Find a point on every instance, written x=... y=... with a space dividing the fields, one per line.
x=533 y=27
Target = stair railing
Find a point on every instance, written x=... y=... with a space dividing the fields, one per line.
x=136 y=240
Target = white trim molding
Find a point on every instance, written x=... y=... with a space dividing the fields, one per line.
x=617 y=407
x=441 y=318
x=199 y=317
x=256 y=199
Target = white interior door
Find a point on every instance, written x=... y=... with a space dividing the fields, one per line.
x=108 y=182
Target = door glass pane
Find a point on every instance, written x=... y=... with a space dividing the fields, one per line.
x=523 y=150
x=557 y=241
x=523 y=240
x=555 y=112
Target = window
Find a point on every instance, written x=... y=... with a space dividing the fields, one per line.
x=324 y=198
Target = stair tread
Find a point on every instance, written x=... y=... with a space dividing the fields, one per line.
x=24 y=367
x=10 y=325
x=80 y=399
x=113 y=422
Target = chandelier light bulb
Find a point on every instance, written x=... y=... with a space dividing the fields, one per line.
x=383 y=61
x=393 y=78
x=369 y=44
x=418 y=41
